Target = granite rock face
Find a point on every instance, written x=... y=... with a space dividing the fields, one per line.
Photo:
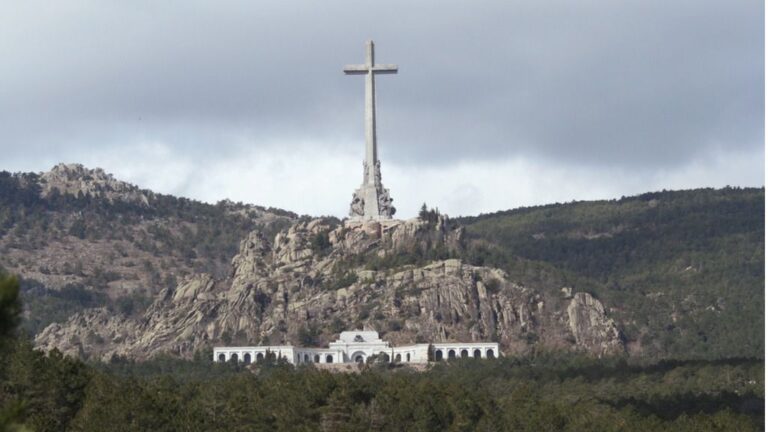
x=590 y=325
x=315 y=279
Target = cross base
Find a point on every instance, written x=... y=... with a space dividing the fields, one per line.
x=371 y=202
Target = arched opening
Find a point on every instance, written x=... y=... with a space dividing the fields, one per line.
x=317 y=358
x=358 y=357
x=408 y=357
x=222 y=357
x=438 y=355
x=477 y=353
x=489 y=353
x=329 y=358
x=451 y=354
x=385 y=357
x=398 y=358
x=464 y=353
x=233 y=357
x=272 y=356
x=247 y=358
x=306 y=358
x=259 y=358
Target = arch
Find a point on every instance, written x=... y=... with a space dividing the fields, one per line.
x=451 y=354
x=408 y=357
x=385 y=357
x=247 y=358
x=329 y=358
x=306 y=358
x=358 y=357
x=489 y=353
x=317 y=358
x=438 y=355
x=259 y=358
x=233 y=357
x=222 y=357
x=477 y=354
x=464 y=353
x=398 y=358
x=272 y=356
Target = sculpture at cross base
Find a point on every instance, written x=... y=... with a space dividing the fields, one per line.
x=371 y=200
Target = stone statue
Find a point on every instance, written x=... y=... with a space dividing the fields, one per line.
x=357 y=208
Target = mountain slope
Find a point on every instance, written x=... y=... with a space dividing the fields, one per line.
x=79 y=238
x=108 y=268
x=316 y=279
x=683 y=271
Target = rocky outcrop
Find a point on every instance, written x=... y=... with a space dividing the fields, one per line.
x=590 y=325
x=88 y=333
x=77 y=180
x=317 y=278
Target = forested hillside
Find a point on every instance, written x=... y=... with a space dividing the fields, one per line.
x=541 y=392
x=681 y=271
x=81 y=239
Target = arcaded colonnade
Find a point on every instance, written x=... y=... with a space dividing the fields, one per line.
x=448 y=351
x=359 y=347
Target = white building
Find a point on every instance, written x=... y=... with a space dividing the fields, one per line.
x=357 y=347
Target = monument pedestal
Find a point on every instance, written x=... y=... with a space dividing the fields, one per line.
x=373 y=227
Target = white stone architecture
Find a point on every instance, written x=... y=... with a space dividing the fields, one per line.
x=358 y=347
x=371 y=201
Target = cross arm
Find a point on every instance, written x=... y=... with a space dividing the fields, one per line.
x=364 y=69
x=385 y=69
x=355 y=69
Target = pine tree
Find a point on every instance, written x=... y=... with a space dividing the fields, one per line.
x=10 y=305
x=424 y=213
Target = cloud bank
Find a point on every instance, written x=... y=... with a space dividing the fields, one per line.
x=497 y=104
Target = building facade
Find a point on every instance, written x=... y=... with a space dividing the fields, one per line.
x=358 y=347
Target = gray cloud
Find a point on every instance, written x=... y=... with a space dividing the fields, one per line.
x=637 y=85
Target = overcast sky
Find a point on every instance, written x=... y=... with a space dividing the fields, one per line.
x=498 y=104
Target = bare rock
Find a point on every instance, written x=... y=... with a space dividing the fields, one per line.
x=312 y=275
x=590 y=326
x=77 y=180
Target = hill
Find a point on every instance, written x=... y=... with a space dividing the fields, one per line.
x=110 y=269
x=78 y=238
x=682 y=272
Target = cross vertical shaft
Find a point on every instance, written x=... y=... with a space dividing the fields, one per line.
x=371 y=155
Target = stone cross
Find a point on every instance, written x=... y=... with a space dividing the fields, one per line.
x=371 y=201
x=370 y=69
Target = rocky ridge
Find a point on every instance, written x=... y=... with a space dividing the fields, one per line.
x=316 y=278
x=136 y=245
x=77 y=180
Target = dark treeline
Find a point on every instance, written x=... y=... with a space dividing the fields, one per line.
x=548 y=391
